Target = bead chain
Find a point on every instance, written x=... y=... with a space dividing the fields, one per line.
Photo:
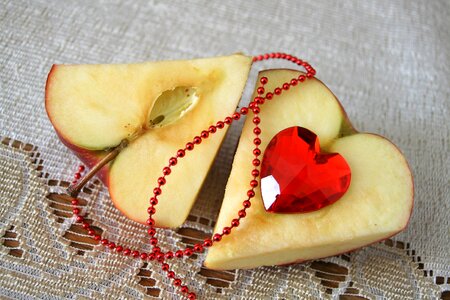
x=157 y=254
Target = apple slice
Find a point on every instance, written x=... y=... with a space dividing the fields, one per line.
x=154 y=108
x=376 y=206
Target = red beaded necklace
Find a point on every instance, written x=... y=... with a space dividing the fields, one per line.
x=163 y=257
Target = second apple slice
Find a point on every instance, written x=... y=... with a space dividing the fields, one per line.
x=377 y=204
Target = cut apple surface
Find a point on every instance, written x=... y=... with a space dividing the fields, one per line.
x=157 y=107
x=377 y=204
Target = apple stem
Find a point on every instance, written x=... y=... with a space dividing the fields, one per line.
x=74 y=190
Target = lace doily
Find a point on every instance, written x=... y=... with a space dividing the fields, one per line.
x=45 y=255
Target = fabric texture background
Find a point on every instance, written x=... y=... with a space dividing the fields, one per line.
x=388 y=62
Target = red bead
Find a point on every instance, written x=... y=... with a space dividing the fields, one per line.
x=167 y=171
x=197 y=140
x=126 y=252
x=301 y=78
x=286 y=86
x=256 y=120
x=246 y=204
x=151 y=210
x=256 y=162
x=269 y=96
x=236 y=116
x=112 y=245
x=309 y=75
x=86 y=225
x=263 y=80
x=198 y=248
x=192 y=296
x=151 y=231
x=150 y=222
x=297 y=178
x=260 y=90
x=266 y=56
x=217 y=237
x=255 y=173
x=188 y=252
x=165 y=267
x=153 y=241
x=179 y=254
x=173 y=161
x=153 y=201
x=181 y=153
x=254 y=183
x=244 y=110
x=242 y=213
x=189 y=146
x=177 y=282
x=104 y=242
x=277 y=91
x=97 y=237
x=119 y=249
x=228 y=120
x=77 y=176
x=250 y=193
x=144 y=256
x=212 y=129
x=257 y=130
x=235 y=223
x=252 y=105
x=91 y=232
x=256 y=110
x=156 y=250
x=259 y=100
x=151 y=256
x=169 y=255
x=256 y=152
x=207 y=243
x=81 y=168
x=76 y=211
x=220 y=125
x=294 y=82
x=160 y=257
x=204 y=134
x=226 y=230
x=135 y=253
x=257 y=141
x=171 y=274
x=74 y=202
x=184 y=289
x=157 y=191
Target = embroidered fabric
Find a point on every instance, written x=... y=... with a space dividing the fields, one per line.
x=388 y=63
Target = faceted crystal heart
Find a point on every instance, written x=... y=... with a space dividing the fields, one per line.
x=296 y=177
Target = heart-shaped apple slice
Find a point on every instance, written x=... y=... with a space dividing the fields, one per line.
x=377 y=204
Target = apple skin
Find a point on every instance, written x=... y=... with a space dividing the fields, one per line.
x=347 y=129
x=88 y=157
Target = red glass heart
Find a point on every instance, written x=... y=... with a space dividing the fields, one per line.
x=296 y=177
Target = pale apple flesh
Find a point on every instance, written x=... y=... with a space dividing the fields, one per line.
x=95 y=107
x=376 y=206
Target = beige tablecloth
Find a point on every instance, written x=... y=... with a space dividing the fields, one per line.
x=389 y=63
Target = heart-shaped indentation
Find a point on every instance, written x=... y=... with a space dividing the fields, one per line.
x=296 y=177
